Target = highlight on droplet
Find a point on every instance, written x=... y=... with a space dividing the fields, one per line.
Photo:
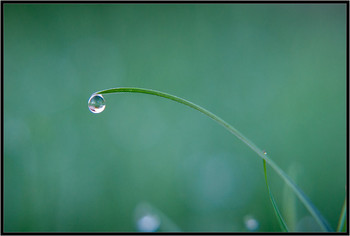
x=96 y=103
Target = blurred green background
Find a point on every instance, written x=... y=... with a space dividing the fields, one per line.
x=277 y=72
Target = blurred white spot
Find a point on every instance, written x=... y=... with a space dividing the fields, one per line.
x=251 y=223
x=147 y=220
x=148 y=223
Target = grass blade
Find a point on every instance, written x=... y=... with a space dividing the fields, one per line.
x=341 y=226
x=277 y=212
x=303 y=198
x=289 y=206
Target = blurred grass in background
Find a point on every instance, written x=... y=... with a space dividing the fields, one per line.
x=277 y=72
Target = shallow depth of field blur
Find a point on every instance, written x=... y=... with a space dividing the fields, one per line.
x=276 y=72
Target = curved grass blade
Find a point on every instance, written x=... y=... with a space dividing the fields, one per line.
x=303 y=198
x=277 y=212
x=341 y=226
x=289 y=206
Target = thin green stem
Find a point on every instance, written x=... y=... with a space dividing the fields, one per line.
x=273 y=202
x=342 y=217
x=303 y=198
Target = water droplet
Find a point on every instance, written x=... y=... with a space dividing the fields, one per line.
x=264 y=152
x=96 y=103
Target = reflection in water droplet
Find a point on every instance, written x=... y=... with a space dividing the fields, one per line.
x=96 y=103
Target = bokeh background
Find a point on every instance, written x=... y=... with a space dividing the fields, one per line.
x=276 y=72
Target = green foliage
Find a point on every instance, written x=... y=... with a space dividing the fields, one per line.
x=275 y=207
x=289 y=204
x=275 y=71
x=304 y=199
x=342 y=219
